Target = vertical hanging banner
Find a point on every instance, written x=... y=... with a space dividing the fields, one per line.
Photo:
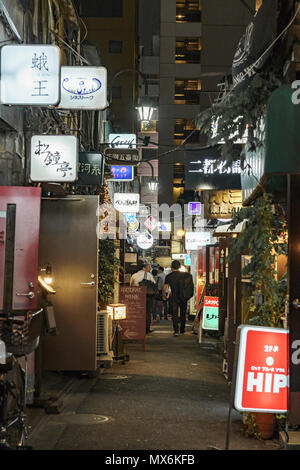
x=210 y=319
x=30 y=75
x=262 y=380
x=83 y=88
x=54 y=158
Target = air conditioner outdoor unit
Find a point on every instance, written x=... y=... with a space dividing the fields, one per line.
x=104 y=333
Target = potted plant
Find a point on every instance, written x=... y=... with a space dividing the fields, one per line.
x=264 y=239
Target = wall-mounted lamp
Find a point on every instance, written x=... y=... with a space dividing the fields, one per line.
x=145 y=108
x=153 y=183
x=47 y=274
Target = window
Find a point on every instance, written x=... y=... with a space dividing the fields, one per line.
x=115 y=47
x=188 y=51
x=188 y=11
x=100 y=8
x=182 y=129
x=187 y=91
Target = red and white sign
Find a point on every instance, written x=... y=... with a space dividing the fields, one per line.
x=262 y=381
x=211 y=301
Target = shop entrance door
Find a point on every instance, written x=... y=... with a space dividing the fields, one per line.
x=19 y=237
x=69 y=245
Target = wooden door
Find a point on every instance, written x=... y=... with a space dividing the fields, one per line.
x=68 y=242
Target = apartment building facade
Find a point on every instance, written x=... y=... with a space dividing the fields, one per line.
x=185 y=52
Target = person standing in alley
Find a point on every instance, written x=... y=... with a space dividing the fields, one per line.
x=144 y=278
x=182 y=288
x=162 y=304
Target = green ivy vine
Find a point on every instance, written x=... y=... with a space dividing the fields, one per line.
x=108 y=264
x=263 y=239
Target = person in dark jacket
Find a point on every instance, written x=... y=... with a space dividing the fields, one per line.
x=176 y=302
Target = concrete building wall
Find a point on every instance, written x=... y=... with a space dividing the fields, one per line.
x=100 y=32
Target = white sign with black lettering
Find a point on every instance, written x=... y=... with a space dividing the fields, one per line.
x=127 y=202
x=122 y=141
x=30 y=75
x=193 y=240
x=54 y=158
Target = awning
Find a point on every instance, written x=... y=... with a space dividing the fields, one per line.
x=224 y=230
x=282 y=132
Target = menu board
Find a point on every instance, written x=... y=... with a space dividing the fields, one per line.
x=134 y=327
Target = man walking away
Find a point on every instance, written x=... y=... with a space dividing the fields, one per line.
x=182 y=289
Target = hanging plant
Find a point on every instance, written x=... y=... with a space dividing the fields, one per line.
x=108 y=264
x=264 y=239
x=241 y=112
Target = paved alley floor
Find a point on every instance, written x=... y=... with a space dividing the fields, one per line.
x=173 y=396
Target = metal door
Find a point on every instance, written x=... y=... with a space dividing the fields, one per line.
x=69 y=244
x=19 y=238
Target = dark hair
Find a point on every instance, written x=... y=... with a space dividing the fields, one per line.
x=160 y=268
x=175 y=264
x=154 y=272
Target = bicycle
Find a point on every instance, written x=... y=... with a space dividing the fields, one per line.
x=13 y=380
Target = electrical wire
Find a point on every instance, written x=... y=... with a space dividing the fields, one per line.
x=233 y=88
x=71 y=48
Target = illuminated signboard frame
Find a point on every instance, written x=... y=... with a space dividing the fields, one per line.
x=30 y=75
x=211 y=307
x=265 y=365
x=127 y=202
x=205 y=169
x=83 y=88
x=145 y=240
x=54 y=158
x=122 y=141
x=120 y=175
x=193 y=240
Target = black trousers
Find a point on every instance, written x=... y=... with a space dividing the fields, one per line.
x=149 y=310
x=175 y=307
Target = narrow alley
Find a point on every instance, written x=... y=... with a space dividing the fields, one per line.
x=145 y=403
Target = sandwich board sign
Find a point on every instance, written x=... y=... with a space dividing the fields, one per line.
x=210 y=318
x=262 y=374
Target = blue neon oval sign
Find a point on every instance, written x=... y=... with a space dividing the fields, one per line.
x=81 y=86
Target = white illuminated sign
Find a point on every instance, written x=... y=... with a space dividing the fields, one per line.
x=54 y=158
x=83 y=88
x=238 y=140
x=122 y=141
x=194 y=240
x=211 y=166
x=127 y=202
x=165 y=227
x=144 y=240
x=30 y=75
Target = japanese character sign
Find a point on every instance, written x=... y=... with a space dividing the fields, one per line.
x=30 y=75
x=210 y=317
x=83 y=88
x=90 y=169
x=205 y=169
x=54 y=158
x=262 y=381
